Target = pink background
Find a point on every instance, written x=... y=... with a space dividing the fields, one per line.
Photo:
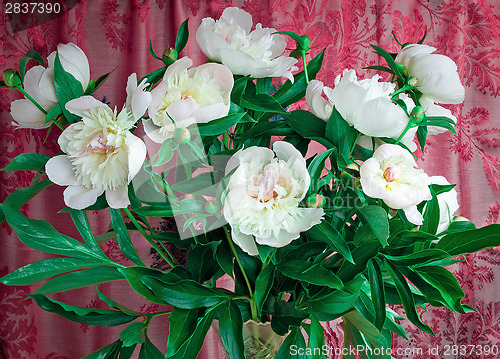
x=116 y=35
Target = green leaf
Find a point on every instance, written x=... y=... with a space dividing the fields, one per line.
x=126 y=352
x=220 y=125
x=470 y=241
x=134 y=333
x=406 y=296
x=446 y=283
x=332 y=305
x=231 y=330
x=46 y=268
x=341 y=135
x=299 y=40
x=98 y=83
x=151 y=51
x=149 y=351
x=317 y=166
x=263 y=285
x=165 y=153
x=40 y=235
x=292 y=92
x=185 y=294
x=67 y=88
x=310 y=273
x=80 y=279
x=390 y=61
x=182 y=323
x=91 y=316
x=265 y=128
x=30 y=55
x=114 y=304
x=27 y=162
x=108 y=352
x=201 y=182
x=154 y=76
x=182 y=36
x=82 y=224
x=262 y=103
x=55 y=111
x=192 y=345
x=419 y=258
x=308 y=126
x=369 y=331
x=295 y=339
x=239 y=88
x=325 y=232
x=123 y=237
x=376 y=217
x=200 y=261
x=316 y=338
x=377 y=292
x=285 y=315
x=21 y=196
x=361 y=254
x=133 y=275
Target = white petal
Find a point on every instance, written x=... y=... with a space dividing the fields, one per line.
x=239 y=17
x=27 y=115
x=317 y=104
x=413 y=215
x=408 y=53
x=309 y=217
x=182 y=112
x=138 y=100
x=222 y=75
x=136 y=154
x=80 y=105
x=32 y=85
x=46 y=83
x=74 y=61
x=244 y=241
x=381 y=117
x=79 y=197
x=204 y=114
x=388 y=150
x=153 y=131
x=209 y=41
x=286 y=151
x=280 y=240
x=60 y=171
x=241 y=63
x=118 y=198
x=259 y=155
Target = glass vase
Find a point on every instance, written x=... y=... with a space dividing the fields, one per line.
x=260 y=341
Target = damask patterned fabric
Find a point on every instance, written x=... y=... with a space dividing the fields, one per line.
x=115 y=35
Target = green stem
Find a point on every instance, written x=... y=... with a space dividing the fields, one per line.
x=408 y=126
x=253 y=307
x=21 y=90
x=305 y=65
x=402 y=89
x=152 y=243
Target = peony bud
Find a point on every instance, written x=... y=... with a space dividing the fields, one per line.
x=212 y=207
x=305 y=42
x=418 y=114
x=11 y=78
x=182 y=135
x=412 y=81
x=316 y=201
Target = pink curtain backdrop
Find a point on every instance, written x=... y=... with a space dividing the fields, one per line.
x=115 y=35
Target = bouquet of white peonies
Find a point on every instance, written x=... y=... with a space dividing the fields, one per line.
x=220 y=149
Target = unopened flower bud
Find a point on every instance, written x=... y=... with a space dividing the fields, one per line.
x=401 y=68
x=315 y=201
x=169 y=56
x=11 y=78
x=182 y=135
x=305 y=42
x=412 y=81
x=460 y=219
x=418 y=114
x=357 y=184
x=212 y=207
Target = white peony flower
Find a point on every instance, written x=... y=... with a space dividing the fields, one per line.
x=255 y=53
x=436 y=74
x=39 y=84
x=392 y=176
x=264 y=194
x=101 y=154
x=448 y=203
x=186 y=96
x=364 y=104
